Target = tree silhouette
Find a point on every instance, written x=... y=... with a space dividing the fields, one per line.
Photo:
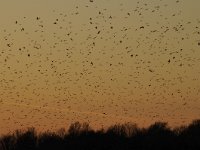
x=127 y=136
x=26 y=140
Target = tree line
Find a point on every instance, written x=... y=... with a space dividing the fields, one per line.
x=127 y=136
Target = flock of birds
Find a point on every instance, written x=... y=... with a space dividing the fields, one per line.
x=137 y=64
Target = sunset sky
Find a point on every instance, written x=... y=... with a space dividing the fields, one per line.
x=98 y=61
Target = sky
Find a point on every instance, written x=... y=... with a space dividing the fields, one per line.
x=98 y=61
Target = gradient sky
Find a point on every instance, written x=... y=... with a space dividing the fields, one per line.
x=102 y=62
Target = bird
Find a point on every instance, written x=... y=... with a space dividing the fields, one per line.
x=94 y=63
